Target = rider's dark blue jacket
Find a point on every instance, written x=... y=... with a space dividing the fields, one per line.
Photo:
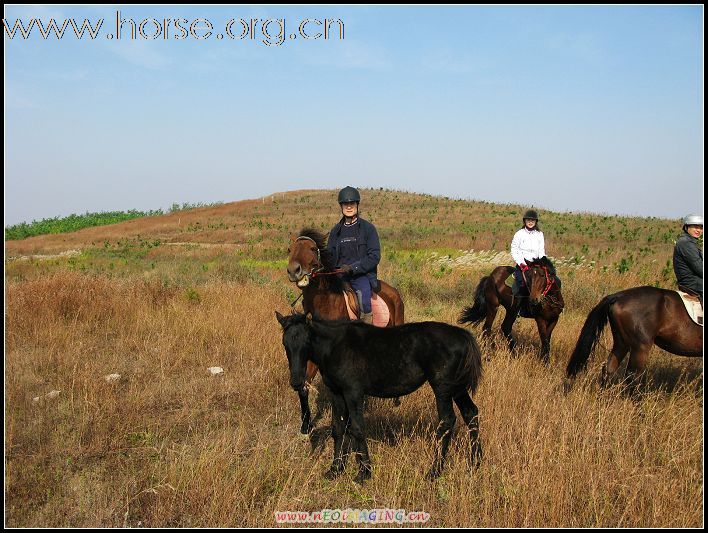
x=368 y=248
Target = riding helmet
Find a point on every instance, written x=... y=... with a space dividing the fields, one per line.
x=348 y=194
x=531 y=214
x=693 y=220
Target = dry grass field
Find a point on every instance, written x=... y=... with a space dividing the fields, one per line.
x=159 y=300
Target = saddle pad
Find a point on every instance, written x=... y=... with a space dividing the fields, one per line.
x=509 y=281
x=693 y=307
x=378 y=307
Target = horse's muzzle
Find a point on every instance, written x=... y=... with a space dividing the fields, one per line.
x=295 y=272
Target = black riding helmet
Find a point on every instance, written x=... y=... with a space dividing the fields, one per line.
x=531 y=215
x=348 y=194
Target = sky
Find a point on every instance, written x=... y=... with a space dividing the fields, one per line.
x=574 y=108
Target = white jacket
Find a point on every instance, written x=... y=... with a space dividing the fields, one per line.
x=527 y=245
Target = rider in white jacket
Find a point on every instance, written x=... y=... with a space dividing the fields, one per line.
x=527 y=244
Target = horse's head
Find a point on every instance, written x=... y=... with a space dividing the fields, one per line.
x=305 y=256
x=538 y=279
x=296 y=340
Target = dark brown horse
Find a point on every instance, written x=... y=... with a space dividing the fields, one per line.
x=639 y=318
x=311 y=268
x=545 y=302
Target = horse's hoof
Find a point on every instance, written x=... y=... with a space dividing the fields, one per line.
x=433 y=474
x=477 y=456
x=362 y=476
x=332 y=474
x=603 y=376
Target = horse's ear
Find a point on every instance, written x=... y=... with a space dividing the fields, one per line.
x=280 y=318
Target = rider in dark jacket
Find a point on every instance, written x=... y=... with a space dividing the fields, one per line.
x=688 y=257
x=354 y=245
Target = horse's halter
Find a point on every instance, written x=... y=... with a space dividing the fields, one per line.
x=549 y=282
x=317 y=267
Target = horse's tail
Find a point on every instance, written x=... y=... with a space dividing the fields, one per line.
x=471 y=372
x=476 y=312
x=590 y=335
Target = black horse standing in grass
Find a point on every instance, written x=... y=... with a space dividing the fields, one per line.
x=358 y=360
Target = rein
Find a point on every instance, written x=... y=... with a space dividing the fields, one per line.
x=292 y=305
x=549 y=281
x=317 y=274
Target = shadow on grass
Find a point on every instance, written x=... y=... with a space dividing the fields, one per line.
x=671 y=376
x=385 y=421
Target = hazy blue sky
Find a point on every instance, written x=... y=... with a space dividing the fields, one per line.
x=567 y=108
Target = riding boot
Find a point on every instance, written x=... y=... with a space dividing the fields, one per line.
x=525 y=308
x=367 y=318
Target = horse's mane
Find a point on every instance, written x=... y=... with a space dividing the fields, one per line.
x=545 y=262
x=302 y=318
x=312 y=233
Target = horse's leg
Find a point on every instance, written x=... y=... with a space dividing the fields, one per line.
x=489 y=321
x=619 y=350
x=306 y=426
x=638 y=357
x=339 y=426
x=444 y=432
x=306 y=415
x=355 y=405
x=508 y=323
x=544 y=331
x=470 y=414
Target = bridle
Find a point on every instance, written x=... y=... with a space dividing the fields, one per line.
x=549 y=282
x=317 y=269
x=313 y=272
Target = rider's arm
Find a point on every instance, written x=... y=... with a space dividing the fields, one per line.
x=516 y=248
x=332 y=244
x=373 y=252
x=542 y=248
x=692 y=256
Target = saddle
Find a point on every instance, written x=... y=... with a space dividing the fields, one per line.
x=693 y=306
x=378 y=308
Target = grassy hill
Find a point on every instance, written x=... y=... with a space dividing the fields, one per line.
x=160 y=299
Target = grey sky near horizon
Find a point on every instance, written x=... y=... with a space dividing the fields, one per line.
x=575 y=108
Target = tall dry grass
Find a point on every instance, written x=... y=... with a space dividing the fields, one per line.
x=171 y=445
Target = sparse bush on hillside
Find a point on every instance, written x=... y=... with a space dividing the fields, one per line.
x=72 y=223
